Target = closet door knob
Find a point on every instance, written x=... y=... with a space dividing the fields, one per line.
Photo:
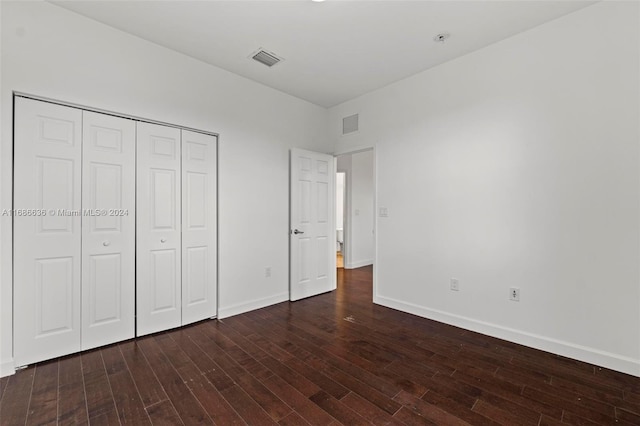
x=163 y=240
x=106 y=243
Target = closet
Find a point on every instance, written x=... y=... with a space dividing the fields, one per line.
x=114 y=228
x=176 y=230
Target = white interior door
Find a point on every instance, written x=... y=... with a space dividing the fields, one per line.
x=108 y=229
x=47 y=232
x=158 y=245
x=199 y=223
x=312 y=233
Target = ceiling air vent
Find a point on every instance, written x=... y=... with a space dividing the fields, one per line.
x=350 y=124
x=266 y=58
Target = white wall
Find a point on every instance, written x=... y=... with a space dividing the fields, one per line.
x=359 y=241
x=517 y=165
x=51 y=52
x=340 y=187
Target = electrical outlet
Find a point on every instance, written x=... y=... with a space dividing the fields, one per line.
x=514 y=294
x=383 y=212
x=267 y=272
x=455 y=284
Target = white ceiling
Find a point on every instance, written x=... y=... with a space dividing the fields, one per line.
x=334 y=51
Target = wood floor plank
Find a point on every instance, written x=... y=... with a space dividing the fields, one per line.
x=548 y=421
x=367 y=392
x=576 y=420
x=496 y=393
x=200 y=358
x=195 y=375
x=340 y=360
x=429 y=411
x=43 y=408
x=293 y=419
x=501 y=416
x=3 y=385
x=128 y=402
x=187 y=406
x=569 y=407
x=214 y=373
x=369 y=411
x=314 y=371
x=625 y=381
x=108 y=418
x=412 y=418
x=323 y=381
x=212 y=401
x=337 y=409
x=163 y=414
x=101 y=407
x=270 y=403
x=144 y=378
x=301 y=404
x=458 y=409
x=298 y=381
x=129 y=405
x=451 y=389
x=633 y=398
x=556 y=394
x=244 y=405
x=72 y=404
x=627 y=416
x=251 y=364
x=15 y=402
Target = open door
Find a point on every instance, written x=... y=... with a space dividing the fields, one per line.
x=312 y=234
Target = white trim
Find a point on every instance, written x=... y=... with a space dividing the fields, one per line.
x=241 y=308
x=7 y=368
x=559 y=347
x=358 y=264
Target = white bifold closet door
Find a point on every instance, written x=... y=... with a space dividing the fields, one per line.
x=199 y=240
x=74 y=230
x=47 y=257
x=176 y=227
x=158 y=246
x=108 y=229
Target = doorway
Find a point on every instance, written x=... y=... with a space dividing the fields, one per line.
x=340 y=213
x=355 y=238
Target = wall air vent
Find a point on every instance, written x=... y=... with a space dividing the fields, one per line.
x=266 y=58
x=350 y=124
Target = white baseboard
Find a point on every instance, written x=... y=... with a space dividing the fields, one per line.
x=240 y=308
x=567 y=349
x=7 y=368
x=358 y=264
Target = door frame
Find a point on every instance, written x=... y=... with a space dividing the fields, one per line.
x=344 y=210
x=375 y=215
x=357 y=150
x=348 y=203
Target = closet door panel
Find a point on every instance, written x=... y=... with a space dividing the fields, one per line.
x=108 y=229
x=158 y=218
x=199 y=290
x=47 y=232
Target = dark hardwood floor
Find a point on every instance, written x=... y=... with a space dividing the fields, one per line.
x=327 y=360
